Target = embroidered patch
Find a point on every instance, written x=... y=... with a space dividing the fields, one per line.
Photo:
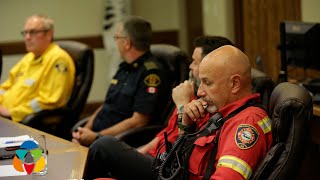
x=135 y=65
x=152 y=80
x=61 y=67
x=246 y=136
x=152 y=90
x=150 y=65
x=114 y=81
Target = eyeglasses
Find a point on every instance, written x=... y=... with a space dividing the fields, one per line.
x=33 y=32
x=119 y=37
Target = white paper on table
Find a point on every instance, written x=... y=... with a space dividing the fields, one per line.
x=16 y=141
x=9 y=170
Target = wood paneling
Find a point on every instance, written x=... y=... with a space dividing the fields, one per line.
x=238 y=23
x=194 y=22
x=260 y=32
x=168 y=37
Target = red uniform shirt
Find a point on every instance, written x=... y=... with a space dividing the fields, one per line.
x=172 y=133
x=244 y=141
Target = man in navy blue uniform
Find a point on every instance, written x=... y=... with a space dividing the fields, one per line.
x=134 y=91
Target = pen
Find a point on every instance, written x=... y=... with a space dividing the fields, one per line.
x=11 y=142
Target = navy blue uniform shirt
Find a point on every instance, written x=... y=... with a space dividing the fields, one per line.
x=136 y=87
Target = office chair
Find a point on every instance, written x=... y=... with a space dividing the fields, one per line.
x=263 y=84
x=290 y=109
x=59 y=121
x=175 y=63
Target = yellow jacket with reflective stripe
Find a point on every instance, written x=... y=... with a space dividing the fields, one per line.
x=37 y=84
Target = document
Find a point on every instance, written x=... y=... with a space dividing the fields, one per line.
x=13 y=141
x=8 y=170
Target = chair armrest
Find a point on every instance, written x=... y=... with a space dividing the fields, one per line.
x=53 y=121
x=137 y=137
x=40 y=116
x=80 y=123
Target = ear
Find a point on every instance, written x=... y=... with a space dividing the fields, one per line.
x=235 y=83
x=128 y=43
x=50 y=35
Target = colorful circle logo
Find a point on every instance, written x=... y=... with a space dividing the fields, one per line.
x=29 y=158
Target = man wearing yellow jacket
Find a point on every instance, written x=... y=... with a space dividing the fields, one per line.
x=44 y=77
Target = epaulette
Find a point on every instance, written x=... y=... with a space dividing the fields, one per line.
x=150 y=65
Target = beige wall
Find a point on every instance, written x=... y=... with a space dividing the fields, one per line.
x=162 y=13
x=218 y=18
x=310 y=10
x=76 y=18
x=72 y=17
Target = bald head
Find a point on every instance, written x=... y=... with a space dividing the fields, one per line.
x=230 y=58
x=229 y=70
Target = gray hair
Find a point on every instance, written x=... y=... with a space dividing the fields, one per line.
x=47 y=22
x=139 y=31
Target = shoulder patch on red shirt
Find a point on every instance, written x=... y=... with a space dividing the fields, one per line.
x=246 y=136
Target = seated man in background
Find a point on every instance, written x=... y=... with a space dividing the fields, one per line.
x=43 y=78
x=185 y=92
x=235 y=138
x=135 y=89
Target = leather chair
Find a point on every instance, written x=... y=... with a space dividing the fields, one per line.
x=290 y=109
x=175 y=63
x=263 y=84
x=59 y=121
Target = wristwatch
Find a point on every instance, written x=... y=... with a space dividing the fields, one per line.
x=98 y=135
x=185 y=128
x=180 y=109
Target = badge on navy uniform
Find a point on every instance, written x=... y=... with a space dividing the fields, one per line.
x=150 y=65
x=152 y=81
x=246 y=136
x=114 y=81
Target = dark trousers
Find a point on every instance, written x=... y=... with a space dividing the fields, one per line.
x=109 y=156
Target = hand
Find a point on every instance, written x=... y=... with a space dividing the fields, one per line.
x=4 y=112
x=194 y=111
x=75 y=141
x=147 y=147
x=75 y=137
x=183 y=93
x=84 y=136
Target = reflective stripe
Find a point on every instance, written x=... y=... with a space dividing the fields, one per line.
x=29 y=82
x=35 y=105
x=2 y=91
x=236 y=164
x=265 y=124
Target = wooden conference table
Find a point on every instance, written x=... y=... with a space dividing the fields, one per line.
x=66 y=160
x=316 y=110
x=315 y=125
